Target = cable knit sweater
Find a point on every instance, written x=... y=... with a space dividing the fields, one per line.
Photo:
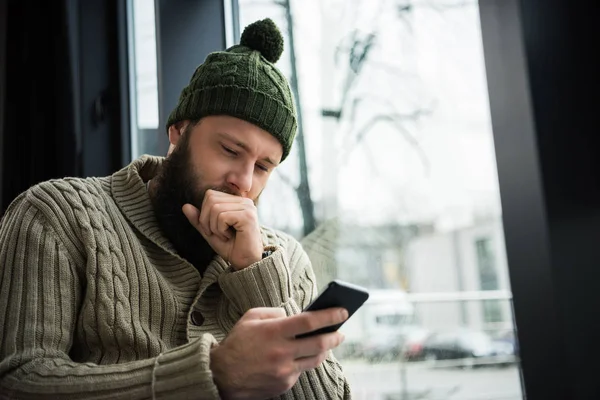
x=96 y=304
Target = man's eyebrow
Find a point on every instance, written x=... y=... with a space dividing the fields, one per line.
x=234 y=140
x=244 y=146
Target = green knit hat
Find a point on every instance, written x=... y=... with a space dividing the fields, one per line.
x=243 y=82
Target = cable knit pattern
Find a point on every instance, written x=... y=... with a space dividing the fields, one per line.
x=95 y=303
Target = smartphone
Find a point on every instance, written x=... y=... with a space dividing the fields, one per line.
x=337 y=294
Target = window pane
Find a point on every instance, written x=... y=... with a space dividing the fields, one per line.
x=143 y=77
x=492 y=310
x=485 y=260
x=403 y=190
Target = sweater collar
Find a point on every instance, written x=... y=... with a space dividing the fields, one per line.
x=129 y=190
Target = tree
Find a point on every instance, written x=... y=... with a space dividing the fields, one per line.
x=354 y=53
x=303 y=189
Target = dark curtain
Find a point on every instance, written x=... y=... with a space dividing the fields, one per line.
x=38 y=128
x=3 y=10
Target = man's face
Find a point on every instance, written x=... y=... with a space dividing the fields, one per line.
x=231 y=155
x=219 y=152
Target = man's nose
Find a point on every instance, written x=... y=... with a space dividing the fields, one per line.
x=241 y=180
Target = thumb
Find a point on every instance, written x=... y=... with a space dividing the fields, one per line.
x=264 y=313
x=192 y=214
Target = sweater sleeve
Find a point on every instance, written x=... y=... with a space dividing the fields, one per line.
x=40 y=295
x=285 y=279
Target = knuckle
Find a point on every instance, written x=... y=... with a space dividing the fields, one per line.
x=252 y=313
x=310 y=324
x=318 y=360
x=322 y=357
x=286 y=376
x=281 y=373
x=280 y=311
x=271 y=332
x=290 y=382
x=250 y=213
x=322 y=345
x=336 y=316
x=276 y=355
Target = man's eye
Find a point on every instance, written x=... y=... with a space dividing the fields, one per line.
x=262 y=168
x=228 y=150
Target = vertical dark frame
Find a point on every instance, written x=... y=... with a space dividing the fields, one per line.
x=542 y=83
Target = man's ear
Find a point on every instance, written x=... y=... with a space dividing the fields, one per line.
x=176 y=130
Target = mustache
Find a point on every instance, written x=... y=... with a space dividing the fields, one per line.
x=230 y=191
x=226 y=190
x=196 y=198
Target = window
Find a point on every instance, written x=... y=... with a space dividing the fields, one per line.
x=393 y=319
x=492 y=311
x=487 y=269
x=143 y=78
x=488 y=279
x=402 y=189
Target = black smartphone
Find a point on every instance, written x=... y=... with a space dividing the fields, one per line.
x=337 y=294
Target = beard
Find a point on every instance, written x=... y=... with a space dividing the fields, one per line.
x=176 y=184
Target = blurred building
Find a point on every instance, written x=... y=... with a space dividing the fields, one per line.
x=469 y=259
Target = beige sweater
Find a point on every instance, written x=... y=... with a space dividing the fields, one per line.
x=95 y=304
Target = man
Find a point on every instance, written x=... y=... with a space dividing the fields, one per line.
x=158 y=282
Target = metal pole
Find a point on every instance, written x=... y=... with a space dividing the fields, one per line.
x=403 y=374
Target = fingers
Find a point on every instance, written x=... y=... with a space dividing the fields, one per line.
x=306 y=363
x=192 y=214
x=225 y=216
x=212 y=197
x=215 y=224
x=264 y=313
x=309 y=321
x=315 y=345
x=216 y=204
x=218 y=221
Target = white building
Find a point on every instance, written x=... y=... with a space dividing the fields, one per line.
x=446 y=264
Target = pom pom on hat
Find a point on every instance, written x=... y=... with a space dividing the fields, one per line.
x=264 y=37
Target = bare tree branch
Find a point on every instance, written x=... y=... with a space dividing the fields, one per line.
x=354 y=52
x=397 y=120
x=357 y=55
x=359 y=98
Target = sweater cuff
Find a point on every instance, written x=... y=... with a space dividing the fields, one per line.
x=184 y=372
x=266 y=283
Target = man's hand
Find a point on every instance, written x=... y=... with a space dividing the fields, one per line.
x=260 y=358
x=230 y=226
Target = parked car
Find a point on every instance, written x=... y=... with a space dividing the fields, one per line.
x=406 y=343
x=463 y=344
x=414 y=343
x=509 y=338
x=382 y=348
x=376 y=328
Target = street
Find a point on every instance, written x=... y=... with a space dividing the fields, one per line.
x=429 y=382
